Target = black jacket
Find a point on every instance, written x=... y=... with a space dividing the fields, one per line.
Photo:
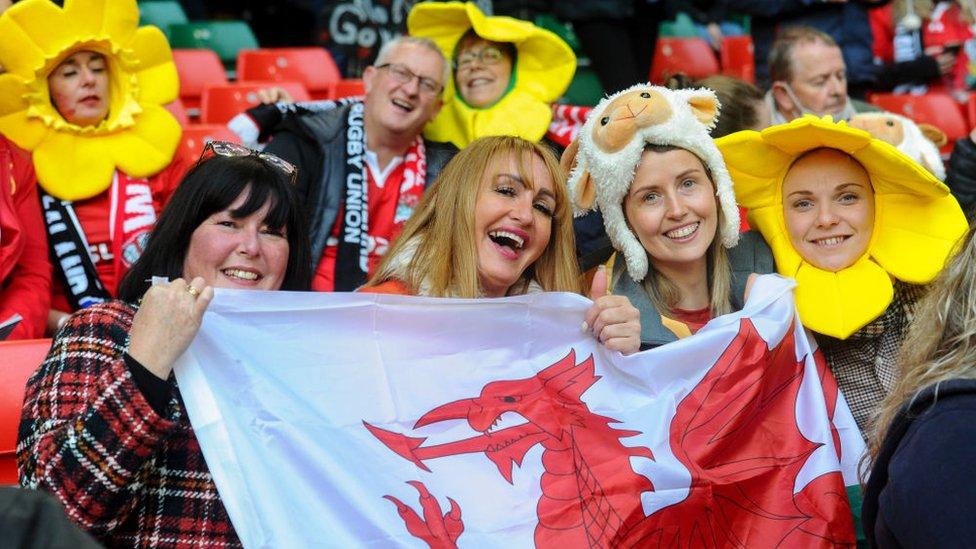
x=922 y=491
x=316 y=143
x=961 y=175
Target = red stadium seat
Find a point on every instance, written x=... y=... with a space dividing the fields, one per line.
x=737 y=58
x=971 y=110
x=19 y=360
x=197 y=136
x=938 y=109
x=178 y=110
x=691 y=56
x=311 y=66
x=349 y=88
x=197 y=69
x=221 y=103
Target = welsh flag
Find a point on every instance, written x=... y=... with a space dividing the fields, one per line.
x=358 y=420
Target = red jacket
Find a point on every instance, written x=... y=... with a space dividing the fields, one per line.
x=25 y=272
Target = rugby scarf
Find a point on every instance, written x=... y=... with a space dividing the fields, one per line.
x=355 y=244
x=131 y=218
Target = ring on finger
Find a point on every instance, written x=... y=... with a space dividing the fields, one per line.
x=193 y=291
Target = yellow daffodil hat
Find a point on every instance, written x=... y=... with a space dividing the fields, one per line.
x=139 y=136
x=543 y=69
x=916 y=227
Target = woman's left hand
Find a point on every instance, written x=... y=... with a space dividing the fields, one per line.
x=612 y=318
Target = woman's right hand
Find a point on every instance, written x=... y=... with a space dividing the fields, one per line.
x=166 y=323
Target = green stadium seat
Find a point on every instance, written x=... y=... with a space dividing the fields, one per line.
x=559 y=28
x=682 y=27
x=161 y=13
x=225 y=38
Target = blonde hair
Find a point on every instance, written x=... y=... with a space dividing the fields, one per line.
x=438 y=241
x=941 y=342
x=664 y=293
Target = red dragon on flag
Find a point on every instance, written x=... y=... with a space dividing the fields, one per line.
x=736 y=433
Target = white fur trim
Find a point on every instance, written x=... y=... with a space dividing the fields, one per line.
x=612 y=173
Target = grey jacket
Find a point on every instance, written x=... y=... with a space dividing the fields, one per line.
x=750 y=255
x=316 y=143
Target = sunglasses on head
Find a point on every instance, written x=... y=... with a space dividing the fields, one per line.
x=227 y=148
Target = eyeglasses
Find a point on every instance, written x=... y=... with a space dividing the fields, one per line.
x=489 y=55
x=403 y=75
x=227 y=148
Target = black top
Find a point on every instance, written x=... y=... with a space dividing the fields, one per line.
x=922 y=490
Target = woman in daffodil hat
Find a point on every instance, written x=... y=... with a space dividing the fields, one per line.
x=507 y=72
x=83 y=91
x=859 y=225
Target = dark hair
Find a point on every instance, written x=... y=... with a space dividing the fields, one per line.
x=210 y=187
x=739 y=100
x=507 y=48
x=780 y=56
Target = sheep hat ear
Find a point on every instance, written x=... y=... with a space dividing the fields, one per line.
x=610 y=145
x=582 y=193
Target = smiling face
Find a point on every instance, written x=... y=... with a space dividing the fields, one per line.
x=512 y=220
x=828 y=203
x=403 y=108
x=672 y=208
x=483 y=71
x=237 y=253
x=79 y=88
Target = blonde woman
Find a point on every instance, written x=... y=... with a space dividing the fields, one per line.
x=921 y=491
x=646 y=160
x=497 y=223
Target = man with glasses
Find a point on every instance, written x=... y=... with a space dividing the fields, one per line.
x=363 y=165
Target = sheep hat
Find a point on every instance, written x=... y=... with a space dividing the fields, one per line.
x=602 y=161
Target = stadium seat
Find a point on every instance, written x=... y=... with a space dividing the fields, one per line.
x=737 y=58
x=222 y=102
x=162 y=13
x=197 y=136
x=938 y=109
x=225 y=38
x=313 y=67
x=691 y=56
x=19 y=360
x=197 y=68
x=971 y=110
x=682 y=26
x=178 y=110
x=349 y=88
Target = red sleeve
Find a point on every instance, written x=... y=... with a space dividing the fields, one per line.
x=882 y=33
x=27 y=290
x=165 y=182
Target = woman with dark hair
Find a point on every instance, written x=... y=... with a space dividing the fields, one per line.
x=103 y=427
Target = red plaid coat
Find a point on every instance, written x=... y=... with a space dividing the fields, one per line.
x=129 y=476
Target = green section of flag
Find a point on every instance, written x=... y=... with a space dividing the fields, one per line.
x=855 y=497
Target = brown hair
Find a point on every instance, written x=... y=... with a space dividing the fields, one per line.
x=436 y=251
x=739 y=100
x=781 y=53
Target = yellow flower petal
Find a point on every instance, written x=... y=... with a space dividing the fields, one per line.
x=100 y=18
x=32 y=31
x=71 y=167
x=156 y=74
x=148 y=147
x=912 y=251
x=839 y=304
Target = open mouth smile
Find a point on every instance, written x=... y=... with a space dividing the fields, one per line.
x=242 y=275
x=830 y=241
x=684 y=233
